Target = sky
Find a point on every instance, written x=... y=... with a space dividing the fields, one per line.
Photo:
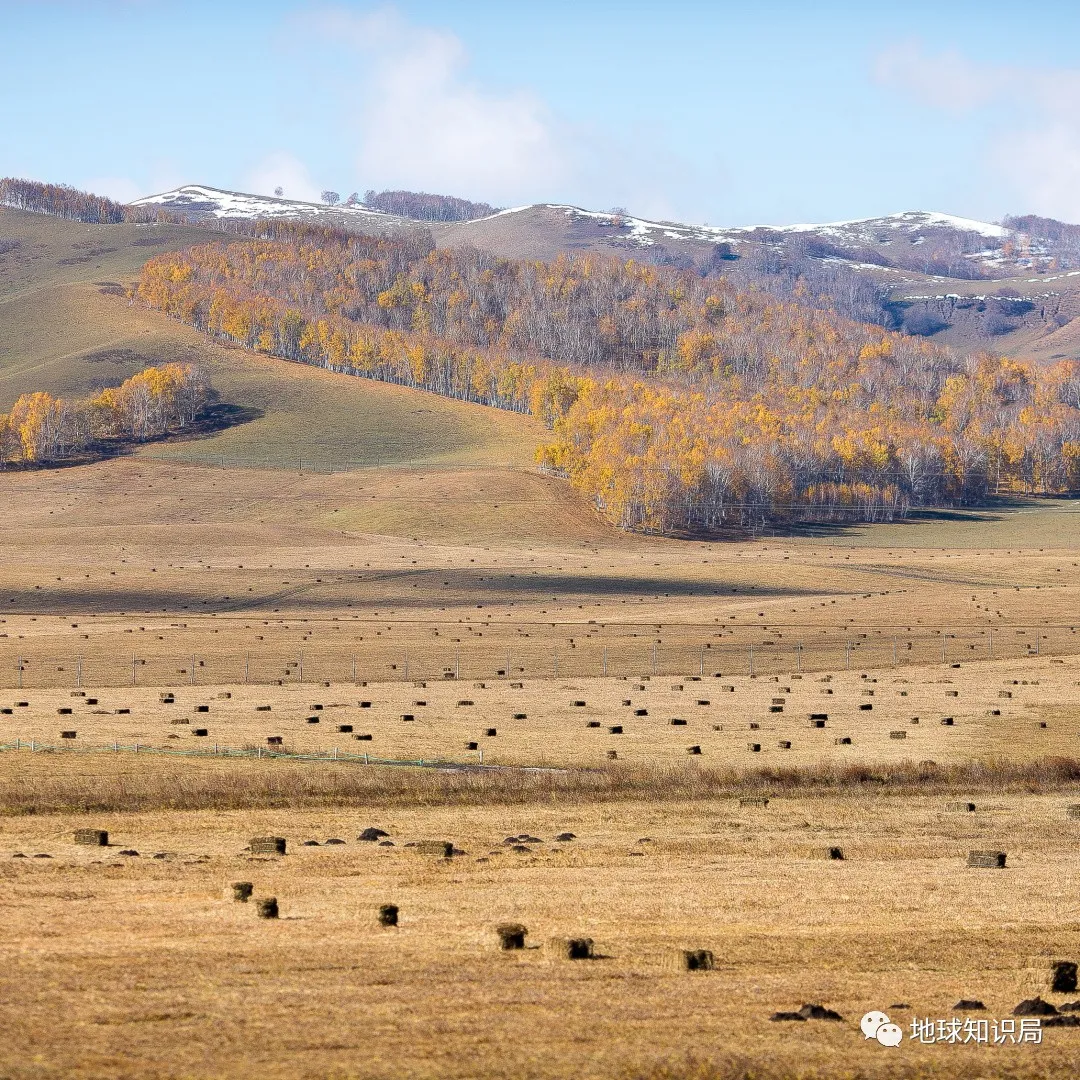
x=724 y=113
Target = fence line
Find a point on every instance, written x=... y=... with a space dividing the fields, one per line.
x=258 y=753
x=582 y=658
x=300 y=462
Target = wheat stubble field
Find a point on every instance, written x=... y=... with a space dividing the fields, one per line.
x=253 y=596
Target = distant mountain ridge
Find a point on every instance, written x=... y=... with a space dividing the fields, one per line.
x=973 y=283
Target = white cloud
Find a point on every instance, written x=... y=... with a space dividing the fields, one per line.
x=1032 y=114
x=423 y=121
x=121 y=188
x=282 y=169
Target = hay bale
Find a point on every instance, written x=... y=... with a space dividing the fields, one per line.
x=372 y=834
x=960 y=807
x=472 y=746
x=969 y=1005
x=363 y=738
x=1073 y=811
x=560 y=948
x=836 y=853
x=844 y=740
x=1063 y=979
x=613 y=755
x=92 y=837
x=521 y=716
x=271 y=740
x=952 y=693
x=690 y=960
x=313 y=720
x=986 y=860
x=866 y=708
x=388 y=915
x=754 y=747
x=676 y=722
x=464 y=701
x=1034 y=1007
x=641 y=712
x=365 y=704
x=818 y=716
x=443 y=848
x=897 y=734
x=201 y=732
x=754 y=800
x=776 y=708
x=240 y=891
x=67 y=734
x=577 y=704
x=817 y=723
x=819 y=1012
x=946 y=721
x=267 y=845
x=693 y=750
x=63 y=712
x=491 y=732
x=702 y=701
x=267 y=908
x=202 y=708
x=345 y=728
x=511 y=935
x=784 y=744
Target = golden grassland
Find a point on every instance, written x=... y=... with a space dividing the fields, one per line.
x=121 y=965
x=118 y=965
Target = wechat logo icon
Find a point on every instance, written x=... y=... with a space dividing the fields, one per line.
x=876 y=1025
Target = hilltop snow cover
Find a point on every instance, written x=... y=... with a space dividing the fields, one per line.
x=219 y=203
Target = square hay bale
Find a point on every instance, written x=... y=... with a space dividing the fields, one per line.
x=202 y=708
x=776 y=708
x=897 y=734
x=592 y=723
x=690 y=960
x=577 y=704
x=201 y=732
x=867 y=707
x=843 y=740
x=570 y=948
x=63 y=712
x=271 y=740
x=784 y=744
x=676 y=686
x=365 y=704
x=702 y=701
x=517 y=686
x=491 y=732
x=267 y=845
x=67 y=734
x=240 y=891
x=986 y=859
x=960 y=807
x=952 y=693
x=362 y=738
x=947 y=721
x=818 y=716
x=388 y=915
x=178 y=721
x=465 y=702
x=615 y=729
x=472 y=746
x=754 y=800
x=817 y=723
x=511 y=935
x=676 y=722
x=408 y=717
x=693 y=750
x=442 y=848
x=613 y=755
x=345 y=728
x=1073 y=811
x=92 y=837
x=754 y=747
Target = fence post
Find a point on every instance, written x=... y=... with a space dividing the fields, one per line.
x=78 y=671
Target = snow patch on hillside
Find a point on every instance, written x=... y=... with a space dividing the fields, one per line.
x=194 y=198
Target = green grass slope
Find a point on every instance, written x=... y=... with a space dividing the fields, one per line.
x=66 y=330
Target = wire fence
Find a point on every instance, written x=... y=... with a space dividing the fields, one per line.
x=261 y=753
x=584 y=658
x=302 y=462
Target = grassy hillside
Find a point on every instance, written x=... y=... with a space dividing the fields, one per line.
x=68 y=331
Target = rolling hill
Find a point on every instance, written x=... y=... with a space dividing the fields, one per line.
x=972 y=284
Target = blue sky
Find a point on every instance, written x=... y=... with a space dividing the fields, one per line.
x=722 y=112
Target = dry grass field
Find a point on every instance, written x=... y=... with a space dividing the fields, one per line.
x=233 y=589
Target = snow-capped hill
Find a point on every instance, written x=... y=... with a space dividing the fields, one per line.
x=198 y=201
x=882 y=230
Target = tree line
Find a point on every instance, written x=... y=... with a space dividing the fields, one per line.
x=41 y=428
x=676 y=401
x=60 y=200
